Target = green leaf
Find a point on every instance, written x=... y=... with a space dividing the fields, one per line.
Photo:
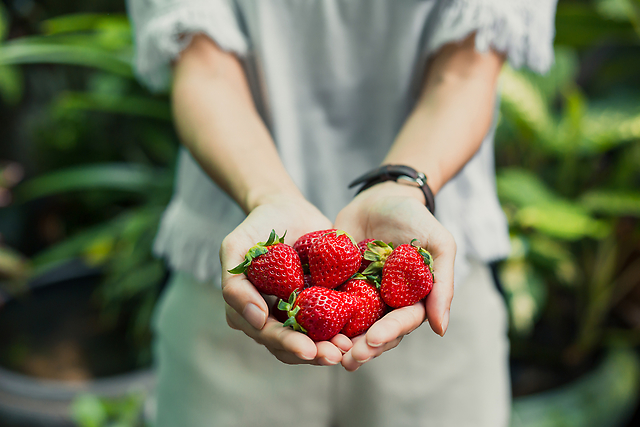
x=522 y=187
x=560 y=76
x=562 y=220
x=73 y=246
x=242 y=267
x=138 y=280
x=283 y=305
x=610 y=123
x=273 y=238
x=4 y=22
x=523 y=101
x=526 y=294
x=23 y=52
x=11 y=84
x=111 y=176
x=88 y=411
x=555 y=256
x=129 y=105
x=612 y=203
x=13 y=265
x=84 y=22
x=580 y=25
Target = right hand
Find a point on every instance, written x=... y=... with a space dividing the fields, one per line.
x=246 y=309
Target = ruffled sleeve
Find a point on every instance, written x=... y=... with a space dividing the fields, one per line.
x=521 y=29
x=163 y=28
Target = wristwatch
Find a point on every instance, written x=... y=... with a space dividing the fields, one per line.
x=397 y=173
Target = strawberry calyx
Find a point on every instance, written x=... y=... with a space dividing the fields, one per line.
x=377 y=252
x=426 y=256
x=255 y=251
x=373 y=279
x=341 y=233
x=292 y=311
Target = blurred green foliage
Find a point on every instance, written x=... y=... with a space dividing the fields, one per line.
x=568 y=156
x=118 y=195
x=89 y=410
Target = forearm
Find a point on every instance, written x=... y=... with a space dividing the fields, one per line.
x=453 y=114
x=217 y=121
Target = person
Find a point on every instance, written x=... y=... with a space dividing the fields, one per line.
x=280 y=104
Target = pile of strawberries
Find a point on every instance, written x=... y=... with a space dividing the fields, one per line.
x=327 y=283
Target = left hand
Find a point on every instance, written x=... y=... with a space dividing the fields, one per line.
x=396 y=213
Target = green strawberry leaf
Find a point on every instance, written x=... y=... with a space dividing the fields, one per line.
x=273 y=238
x=373 y=268
x=371 y=256
x=376 y=280
x=292 y=323
x=252 y=254
x=284 y=306
x=341 y=232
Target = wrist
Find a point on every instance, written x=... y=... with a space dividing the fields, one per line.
x=431 y=169
x=396 y=189
x=270 y=195
x=399 y=174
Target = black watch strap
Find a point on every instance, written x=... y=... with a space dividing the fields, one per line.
x=397 y=173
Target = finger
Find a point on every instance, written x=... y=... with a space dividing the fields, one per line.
x=291 y=359
x=348 y=221
x=245 y=299
x=396 y=323
x=438 y=301
x=361 y=353
x=328 y=354
x=343 y=343
x=275 y=337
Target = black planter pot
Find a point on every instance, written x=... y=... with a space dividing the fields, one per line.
x=57 y=320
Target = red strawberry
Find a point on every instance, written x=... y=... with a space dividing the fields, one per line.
x=319 y=312
x=304 y=243
x=280 y=315
x=273 y=267
x=333 y=259
x=407 y=276
x=374 y=255
x=371 y=307
x=363 y=248
x=308 y=281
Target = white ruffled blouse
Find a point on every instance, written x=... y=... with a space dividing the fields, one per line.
x=334 y=80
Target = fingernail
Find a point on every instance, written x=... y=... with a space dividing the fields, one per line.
x=305 y=357
x=445 y=322
x=330 y=361
x=363 y=361
x=374 y=344
x=254 y=315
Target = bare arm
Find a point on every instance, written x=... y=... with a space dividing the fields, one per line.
x=445 y=129
x=217 y=121
x=453 y=114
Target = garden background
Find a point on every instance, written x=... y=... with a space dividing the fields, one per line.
x=86 y=167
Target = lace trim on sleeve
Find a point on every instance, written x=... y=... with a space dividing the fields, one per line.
x=522 y=29
x=164 y=34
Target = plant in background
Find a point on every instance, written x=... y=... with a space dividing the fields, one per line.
x=89 y=410
x=109 y=155
x=568 y=179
